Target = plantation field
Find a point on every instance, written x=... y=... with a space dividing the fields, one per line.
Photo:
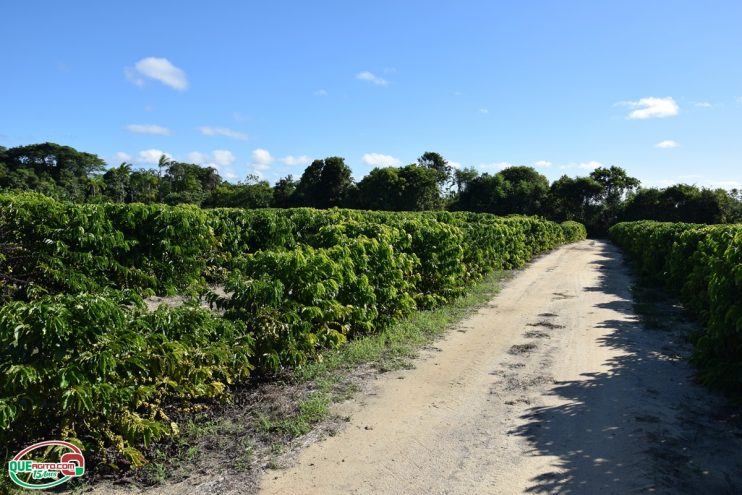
x=87 y=362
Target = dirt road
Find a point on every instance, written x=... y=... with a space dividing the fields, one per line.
x=555 y=387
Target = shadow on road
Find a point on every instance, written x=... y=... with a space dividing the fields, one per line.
x=641 y=425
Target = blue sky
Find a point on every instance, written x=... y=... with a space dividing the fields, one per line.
x=654 y=87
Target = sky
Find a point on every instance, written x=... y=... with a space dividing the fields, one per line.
x=265 y=87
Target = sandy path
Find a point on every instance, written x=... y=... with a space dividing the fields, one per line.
x=553 y=388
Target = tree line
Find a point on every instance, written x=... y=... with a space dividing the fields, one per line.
x=599 y=200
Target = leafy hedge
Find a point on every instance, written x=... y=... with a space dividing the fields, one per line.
x=96 y=371
x=101 y=370
x=70 y=248
x=703 y=265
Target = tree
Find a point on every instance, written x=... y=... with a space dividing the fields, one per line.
x=615 y=182
x=616 y=185
x=324 y=184
x=420 y=189
x=60 y=171
x=381 y=189
x=573 y=199
x=53 y=158
x=525 y=191
x=482 y=194
x=463 y=177
x=116 y=182
x=680 y=203
x=163 y=163
x=436 y=162
x=242 y=195
x=143 y=186
x=283 y=192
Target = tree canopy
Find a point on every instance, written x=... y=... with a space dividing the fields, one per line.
x=605 y=196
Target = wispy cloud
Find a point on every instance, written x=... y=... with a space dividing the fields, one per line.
x=542 y=164
x=703 y=104
x=370 y=77
x=591 y=165
x=484 y=110
x=320 y=92
x=726 y=184
x=148 y=129
x=296 y=160
x=379 y=160
x=223 y=131
x=667 y=144
x=648 y=108
x=159 y=69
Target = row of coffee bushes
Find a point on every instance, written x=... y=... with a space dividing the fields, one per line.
x=86 y=361
x=57 y=247
x=100 y=371
x=703 y=265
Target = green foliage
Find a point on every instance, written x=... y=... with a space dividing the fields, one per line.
x=66 y=247
x=573 y=231
x=703 y=265
x=103 y=371
x=99 y=369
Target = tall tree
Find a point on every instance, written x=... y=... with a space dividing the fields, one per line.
x=436 y=162
x=525 y=191
x=463 y=177
x=573 y=199
x=116 y=182
x=615 y=184
x=324 y=183
x=283 y=192
x=381 y=189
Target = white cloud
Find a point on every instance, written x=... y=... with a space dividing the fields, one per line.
x=223 y=131
x=542 y=164
x=456 y=165
x=296 y=160
x=223 y=157
x=123 y=157
x=159 y=69
x=379 y=160
x=484 y=110
x=320 y=92
x=739 y=99
x=368 y=76
x=647 y=108
x=666 y=144
x=148 y=129
x=703 y=104
x=495 y=166
x=261 y=159
x=218 y=159
x=152 y=156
